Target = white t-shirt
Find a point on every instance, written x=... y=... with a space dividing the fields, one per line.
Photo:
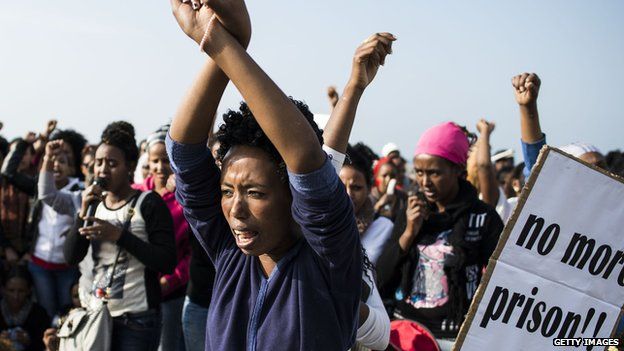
x=374 y=334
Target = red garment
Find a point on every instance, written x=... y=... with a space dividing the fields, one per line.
x=377 y=166
x=406 y=335
x=49 y=265
x=180 y=275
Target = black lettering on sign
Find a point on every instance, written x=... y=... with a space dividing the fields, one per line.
x=538 y=315
x=532 y=231
x=602 y=260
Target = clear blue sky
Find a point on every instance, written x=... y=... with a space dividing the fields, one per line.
x=88 y=63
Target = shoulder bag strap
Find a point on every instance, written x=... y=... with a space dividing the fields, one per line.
x=126 y=225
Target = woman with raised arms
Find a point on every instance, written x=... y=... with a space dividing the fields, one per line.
x=276 y=220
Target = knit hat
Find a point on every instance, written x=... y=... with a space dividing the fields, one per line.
x=158 y=136
x=444 y=140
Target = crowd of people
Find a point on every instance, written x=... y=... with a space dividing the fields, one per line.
x=266 y=233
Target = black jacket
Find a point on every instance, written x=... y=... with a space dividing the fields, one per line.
x=476 y=228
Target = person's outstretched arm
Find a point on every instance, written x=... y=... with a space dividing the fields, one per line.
x=63 y=202
x=276 y=114
x=488 y=183
x=526 y=89
x=332 y=96
x=197 y=176
x=40 y=143
x=195 y=116
x=320 y=203
x=366 y=61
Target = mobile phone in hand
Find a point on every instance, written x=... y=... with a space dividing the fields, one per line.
x=391 y=186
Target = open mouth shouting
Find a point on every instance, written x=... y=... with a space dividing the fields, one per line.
x=245 y=238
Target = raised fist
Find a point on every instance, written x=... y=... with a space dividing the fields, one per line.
x=485 y=127
x=54 y=148
x=369 y=56
x=234 y=16
x=50 y=127
x=416 y=213
x=194 y=18
x=30 y=137
x=332 y=95
x=526 y=88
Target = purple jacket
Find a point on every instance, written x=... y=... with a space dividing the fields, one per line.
x=311 y=299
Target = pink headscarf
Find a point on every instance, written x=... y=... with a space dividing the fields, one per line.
x=445 y=140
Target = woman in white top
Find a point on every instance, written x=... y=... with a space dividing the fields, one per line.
x=130 y=241
x=52 y=217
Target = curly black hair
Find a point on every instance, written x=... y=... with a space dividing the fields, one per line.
x=121 y=135
x=241 y=128
x=76 y=141
x=366 y=151
x=360 y=158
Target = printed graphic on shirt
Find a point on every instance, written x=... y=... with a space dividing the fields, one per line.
x=472 y=280
x=475 y=222
x=119 y=279
x=430 y=287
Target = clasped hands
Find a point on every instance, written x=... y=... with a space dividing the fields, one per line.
x=208 y=22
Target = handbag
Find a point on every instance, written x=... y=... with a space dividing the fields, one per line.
x=92 y=329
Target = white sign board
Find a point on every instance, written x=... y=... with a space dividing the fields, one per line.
x=558 y=270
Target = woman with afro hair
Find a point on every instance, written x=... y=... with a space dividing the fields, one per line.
x=275 y=220
x=129 y=240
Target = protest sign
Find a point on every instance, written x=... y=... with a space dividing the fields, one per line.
x=558 y=270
